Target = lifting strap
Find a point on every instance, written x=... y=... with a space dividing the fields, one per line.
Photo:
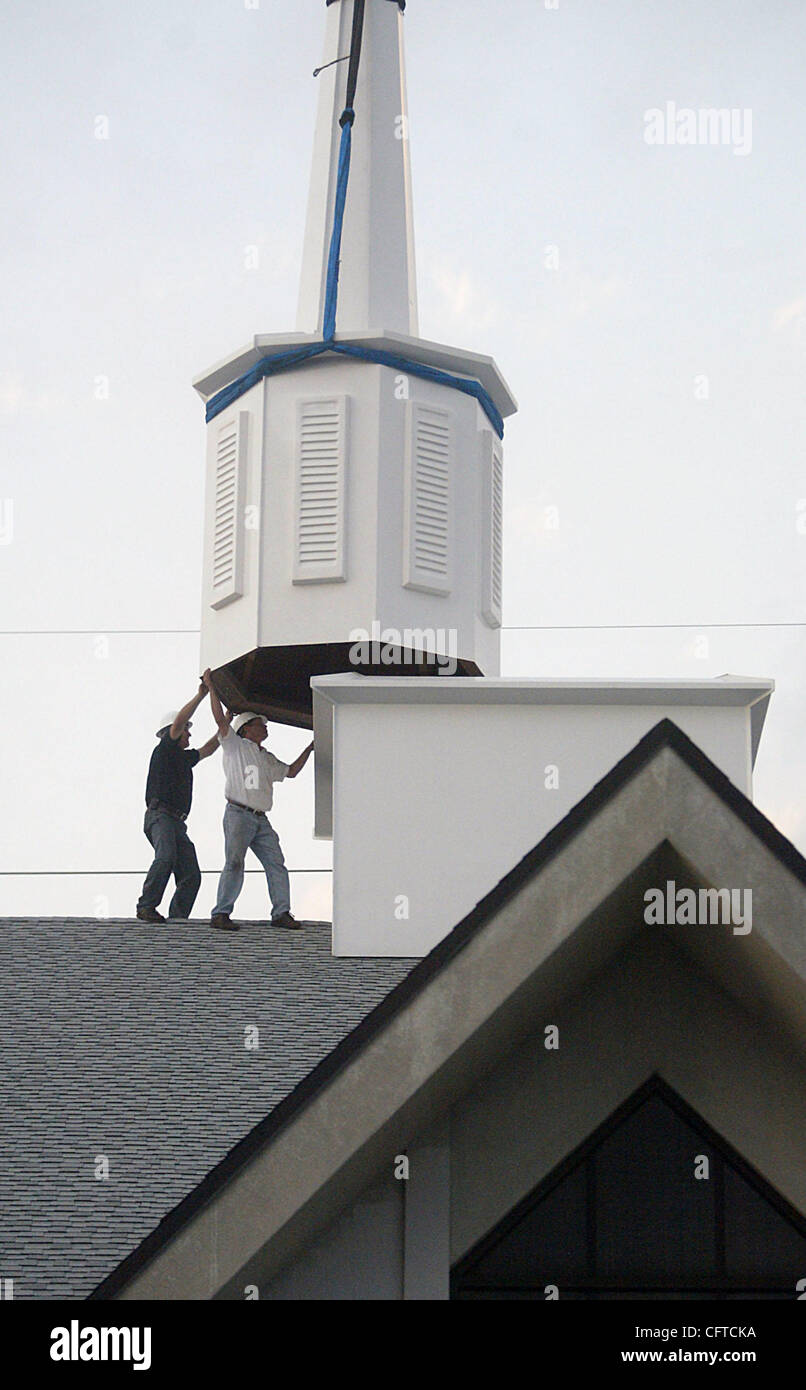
x=343 y=177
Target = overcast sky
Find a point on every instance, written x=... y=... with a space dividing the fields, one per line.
x=646 y=302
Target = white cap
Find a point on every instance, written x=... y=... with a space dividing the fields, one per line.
x=246 y=718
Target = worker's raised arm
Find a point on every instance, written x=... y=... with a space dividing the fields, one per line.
x=299 y=763
x=219 y=716
x=209 y=747
x=187 y=710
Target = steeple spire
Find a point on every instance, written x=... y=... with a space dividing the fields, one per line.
x=377 y=282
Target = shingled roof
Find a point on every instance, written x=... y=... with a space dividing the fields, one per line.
x=127 y=1041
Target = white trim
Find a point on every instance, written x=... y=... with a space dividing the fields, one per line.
x=457 y=361
x=492 y=690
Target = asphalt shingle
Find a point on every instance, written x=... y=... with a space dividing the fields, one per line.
x=127 y=1042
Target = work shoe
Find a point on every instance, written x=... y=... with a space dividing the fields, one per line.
x=286 y=920
x=223 y=922
x=149 y=914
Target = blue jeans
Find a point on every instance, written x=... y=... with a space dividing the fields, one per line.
x=245 y=830
x=175 y=854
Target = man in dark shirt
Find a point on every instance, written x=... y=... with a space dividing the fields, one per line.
x=169 y=791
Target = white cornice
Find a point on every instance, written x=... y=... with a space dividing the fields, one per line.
x=475 y=366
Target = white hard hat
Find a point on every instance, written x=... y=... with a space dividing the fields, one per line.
x=167 y=721
x=246 y=718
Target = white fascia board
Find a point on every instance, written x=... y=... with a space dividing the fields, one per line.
x=470 y=365
x=352 y=688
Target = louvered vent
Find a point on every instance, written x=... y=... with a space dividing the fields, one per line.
x=492 y=520
x=427 y=562
x=321 y=475
x=226 y=582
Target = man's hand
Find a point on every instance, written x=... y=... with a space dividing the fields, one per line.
x=215 y=704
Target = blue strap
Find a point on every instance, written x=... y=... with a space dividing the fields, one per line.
x=267 y=366
x=419 y=369
x=283 y=361
x=332 y=289
x=342 y=178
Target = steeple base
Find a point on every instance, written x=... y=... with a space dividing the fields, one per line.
x=276 y=681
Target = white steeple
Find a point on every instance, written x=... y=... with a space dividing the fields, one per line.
x=377 y=284
x=354 y=470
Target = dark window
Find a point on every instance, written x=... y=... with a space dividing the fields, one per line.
x=627 y=1216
